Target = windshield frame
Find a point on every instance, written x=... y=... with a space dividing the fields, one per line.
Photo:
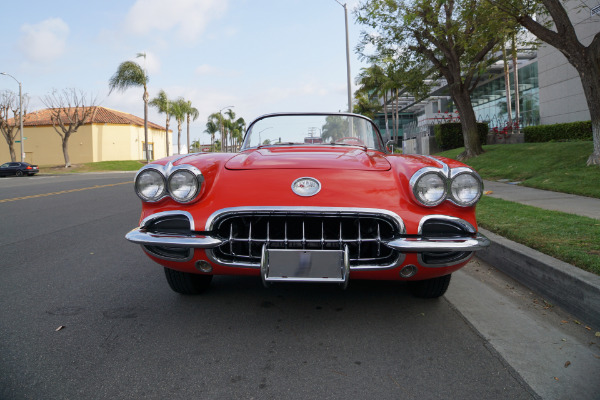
x=378 y=138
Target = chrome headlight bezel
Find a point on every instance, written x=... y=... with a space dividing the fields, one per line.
x=455 y=174
x=158 y=175
x=419 y=176
x=195 y=180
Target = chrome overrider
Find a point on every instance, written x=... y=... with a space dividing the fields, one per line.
x=472 y=241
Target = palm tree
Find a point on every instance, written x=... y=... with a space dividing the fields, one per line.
x=130 y=74
x=191 y=113
x=364 y=105
x=161 y=102
x=212 y=127
x=374 y=80
x=230 y=126
x=179 y=108
x=220 y=122
x=239 y=127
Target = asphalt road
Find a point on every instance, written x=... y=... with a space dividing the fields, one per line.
x=64 y=262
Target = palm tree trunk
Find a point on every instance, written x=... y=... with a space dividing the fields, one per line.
x=507 y=86
x=516 y=74
x=188 y=134
x=167 y=136
x=146 y=125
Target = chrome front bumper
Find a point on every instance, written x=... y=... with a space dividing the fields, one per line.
x=404 y=245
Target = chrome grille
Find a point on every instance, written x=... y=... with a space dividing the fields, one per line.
x=245 y=235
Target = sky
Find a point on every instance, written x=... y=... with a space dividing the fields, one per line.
x=258 y=56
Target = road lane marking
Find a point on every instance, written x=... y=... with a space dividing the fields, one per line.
x=63 y=192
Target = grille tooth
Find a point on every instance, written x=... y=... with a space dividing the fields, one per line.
x=363 y=234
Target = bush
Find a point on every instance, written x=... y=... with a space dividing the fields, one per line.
x=559 y=132
x=449 y=136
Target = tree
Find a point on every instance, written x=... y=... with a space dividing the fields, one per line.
x=229 y=126
x=363 y=105
x=9 y=126
x=131 y=74
x=191 y=113
x=179 y=110
x=237 y=132
x=335 y=127
x=163 y=105
x=374 y=81
x=68 y=111
x=561 y=34
x=455 y=37
x=212 y=127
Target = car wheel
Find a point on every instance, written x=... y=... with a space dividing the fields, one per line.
x=19 y=173
x=430 y=288
x=186 y=283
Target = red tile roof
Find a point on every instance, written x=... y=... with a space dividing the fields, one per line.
x=100 y=115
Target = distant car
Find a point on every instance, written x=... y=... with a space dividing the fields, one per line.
x=309 y=198
x=18 y=169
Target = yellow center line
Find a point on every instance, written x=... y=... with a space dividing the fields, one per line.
x=62 y=192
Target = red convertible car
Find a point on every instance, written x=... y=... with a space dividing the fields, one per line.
x=309 y=198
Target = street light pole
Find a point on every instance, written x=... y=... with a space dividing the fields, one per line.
x=20 y=115
x=347 y=57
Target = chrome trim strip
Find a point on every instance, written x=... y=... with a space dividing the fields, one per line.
x=419 y=245
x=464 y=224
x=308 y=210
x=140 y=236
x=445 y=167
x=146 y=221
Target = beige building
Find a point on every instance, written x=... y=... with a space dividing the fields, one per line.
x=109 y=135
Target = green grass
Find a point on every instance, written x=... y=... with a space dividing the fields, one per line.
x=557 y=166
x=567 y=237
x=102 y=166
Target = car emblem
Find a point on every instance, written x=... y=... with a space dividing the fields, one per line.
x=306 y=186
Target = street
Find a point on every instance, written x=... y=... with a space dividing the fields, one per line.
x=85 y=314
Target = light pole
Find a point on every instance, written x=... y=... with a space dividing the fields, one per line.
x=347 y=57
x=223 y=145
x=20 y=115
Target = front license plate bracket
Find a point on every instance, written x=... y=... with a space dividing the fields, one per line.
x=287 y=265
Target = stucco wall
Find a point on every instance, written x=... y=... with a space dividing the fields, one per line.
x=561 y=93
x=91 y=143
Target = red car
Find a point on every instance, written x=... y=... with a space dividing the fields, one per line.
x=290 y=209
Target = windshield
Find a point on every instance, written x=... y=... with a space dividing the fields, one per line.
x=313 y=129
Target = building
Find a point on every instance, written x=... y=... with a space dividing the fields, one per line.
x=108 y=135
x=550 y=91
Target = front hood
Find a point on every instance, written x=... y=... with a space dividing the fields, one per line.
x=309 y=158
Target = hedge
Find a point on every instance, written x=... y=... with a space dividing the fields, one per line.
x=559 y=132
x=449 y=135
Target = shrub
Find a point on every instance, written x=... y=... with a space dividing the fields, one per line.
x=449 y=136
x=581 y=130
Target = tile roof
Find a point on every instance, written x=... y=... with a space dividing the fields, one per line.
x=100 y=115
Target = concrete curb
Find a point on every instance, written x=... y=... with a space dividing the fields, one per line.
x=569 y=287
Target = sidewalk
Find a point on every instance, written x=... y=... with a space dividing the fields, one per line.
x=575 y=290
x=569 y=203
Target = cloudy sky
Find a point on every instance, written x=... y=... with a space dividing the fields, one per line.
x=259 y=56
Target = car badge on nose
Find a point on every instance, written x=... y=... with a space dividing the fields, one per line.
x=306 y=186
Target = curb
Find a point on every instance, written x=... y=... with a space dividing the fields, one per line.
x=563 y=284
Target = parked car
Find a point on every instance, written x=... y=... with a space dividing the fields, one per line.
x=18 y=169
x=309 y=198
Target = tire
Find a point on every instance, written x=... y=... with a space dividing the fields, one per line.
x=186 y=283
x=430 y=288
x=19 y=173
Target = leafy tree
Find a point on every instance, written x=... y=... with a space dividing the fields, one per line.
x=163 y=105
x=68 y=111
x=131 y=74
x=336 y=127
x=560 y=33
x=363 y=104
x=373 y=80
x=455 y=37
x=192 y=114
x=9 y=126
x=239 y=127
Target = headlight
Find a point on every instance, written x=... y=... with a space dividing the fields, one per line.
x=183 y=185
x=150 y=185
x=429 y=187
x=466 y=188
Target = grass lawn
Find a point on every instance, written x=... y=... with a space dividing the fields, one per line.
x=568 y=237
x=102 y=166
x=557 y=166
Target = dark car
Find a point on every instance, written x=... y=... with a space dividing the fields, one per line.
x=18 y=169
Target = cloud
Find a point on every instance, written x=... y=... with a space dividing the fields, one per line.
x=189 y=17
x=205 y=69
x=44 y=42
x=151 y=62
